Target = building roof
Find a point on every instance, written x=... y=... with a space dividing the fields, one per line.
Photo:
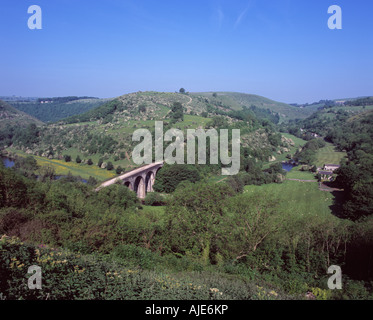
x=328 y=173
x=332 y=165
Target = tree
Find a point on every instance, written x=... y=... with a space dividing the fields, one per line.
x=182 y=90
x=251 y=220
x=170 y=176
x=46 y=173
x=110 y=166
x=67 y=158
x=90 y=162
x=119 y=170
x=26 y=166
x=118 y=196
x=195 y=214
x=177 y=112
x=91 y=181
x=100 y=162
x=78 y=160
x=154 y=199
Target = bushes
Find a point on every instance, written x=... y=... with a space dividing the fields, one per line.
x=11 y=221
x=154 y=199
x=204 y=227
x=171 y=175
x=136 y=256
x=68 y=276
x=13 y=189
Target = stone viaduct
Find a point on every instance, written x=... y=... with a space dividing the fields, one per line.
x=140 y=180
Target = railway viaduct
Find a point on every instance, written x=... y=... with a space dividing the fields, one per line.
x=140 y=180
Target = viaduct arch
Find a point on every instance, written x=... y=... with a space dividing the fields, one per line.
x=140 y=180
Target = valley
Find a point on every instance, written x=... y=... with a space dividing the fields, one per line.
x=266 y=232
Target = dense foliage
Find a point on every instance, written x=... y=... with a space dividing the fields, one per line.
x=170 y=176
x=219 y=231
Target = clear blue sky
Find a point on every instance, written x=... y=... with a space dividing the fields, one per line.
x=280 y=49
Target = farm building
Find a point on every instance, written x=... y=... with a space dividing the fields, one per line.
x=330 y=167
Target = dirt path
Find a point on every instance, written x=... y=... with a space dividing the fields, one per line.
x=188 y=103
x=221 y=180
x=323 y=187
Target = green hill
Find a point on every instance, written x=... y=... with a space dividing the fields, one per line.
x=236 y=101
x=54 y=109
x=11 y=117
x=159 y=103
x=106 y=132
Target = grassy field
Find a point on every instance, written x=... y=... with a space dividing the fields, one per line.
x=298 y=198
x=328 y=154
x=63 y=168
x=295 y=173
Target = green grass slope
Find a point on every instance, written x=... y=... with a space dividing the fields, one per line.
x=10 y=116
x=54 y=111
x=236 y=101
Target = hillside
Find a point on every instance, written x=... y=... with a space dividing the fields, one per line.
x=105 y=133
x=54 y=109
x=198 y=103
x=348 y=128
x=328 y=117
x=10 y=116
x=237 y=101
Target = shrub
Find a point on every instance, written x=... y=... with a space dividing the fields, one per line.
x=118 y=170
x=110 y=166
x=154 y=199
x=171 y=175
x=138 y=256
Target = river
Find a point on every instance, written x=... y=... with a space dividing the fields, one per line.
x=8 y=163
x=287 y=166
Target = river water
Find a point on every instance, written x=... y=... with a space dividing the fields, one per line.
x=287 y=166
x=8 y=163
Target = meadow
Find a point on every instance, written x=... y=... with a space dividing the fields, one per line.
x=63 y=168
x=297 y=198
x=296 y=173
x=328 y=154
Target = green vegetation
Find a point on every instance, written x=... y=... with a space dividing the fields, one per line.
x=105 y=132
x=329 y=154
x=54 y=109
x=296 y=198
x=12 y=119
x=255 y=235
x=63 y=168
x=307 y=155
x=297 y=173
x=235 y=101
x=269 y=242
x=349 y=129
x=170 y=176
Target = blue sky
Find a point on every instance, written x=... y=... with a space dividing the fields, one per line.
x=280 y=49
